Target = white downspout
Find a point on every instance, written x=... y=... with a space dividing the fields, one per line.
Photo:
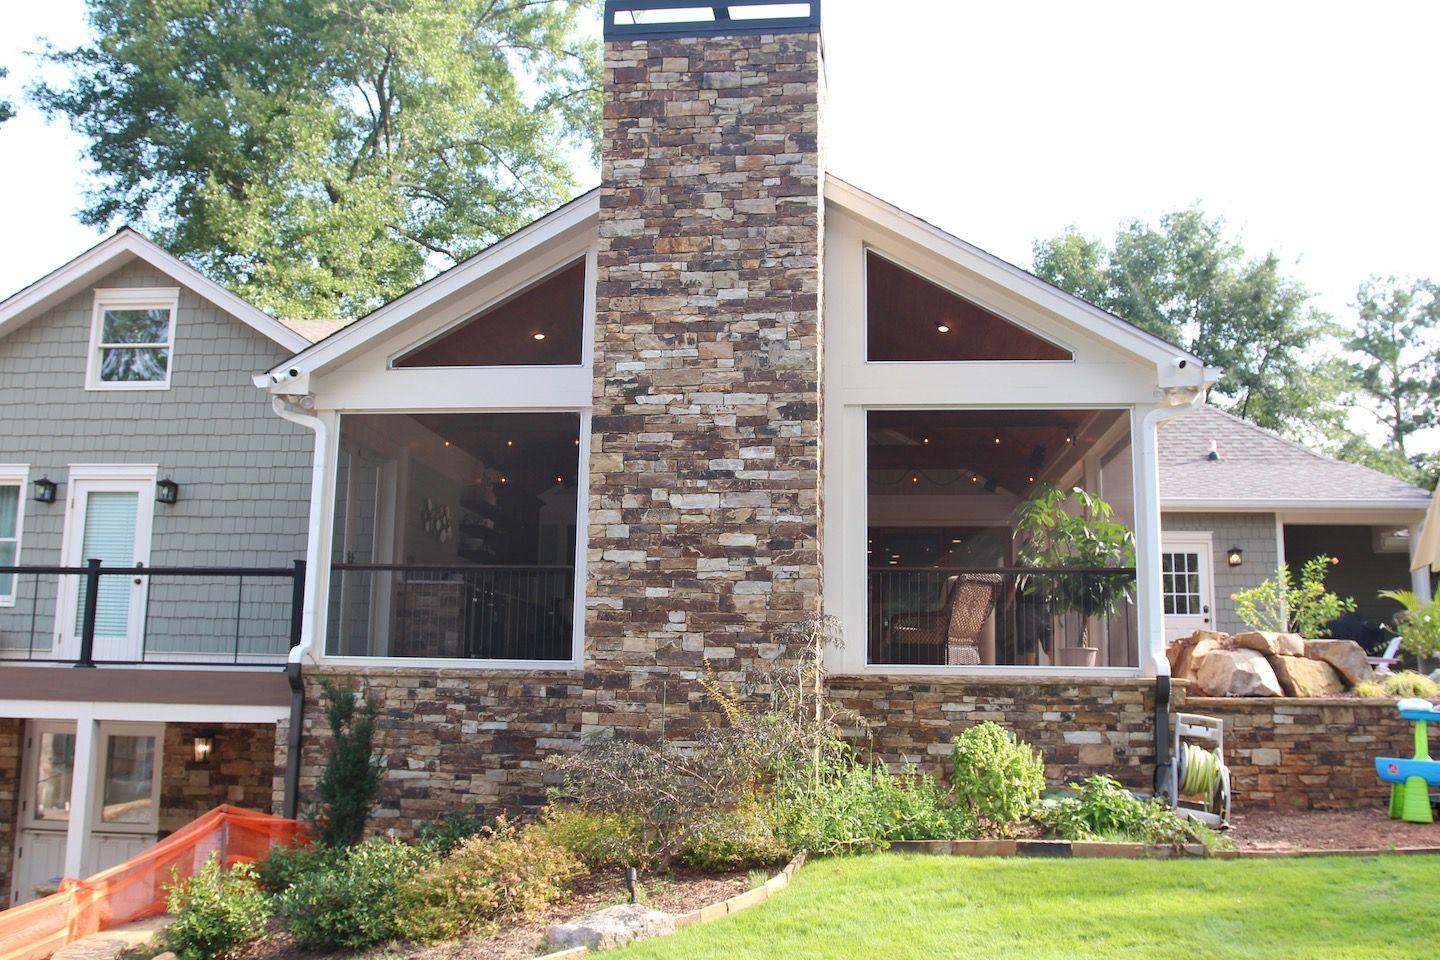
x=1147 y=543
x=313 y=559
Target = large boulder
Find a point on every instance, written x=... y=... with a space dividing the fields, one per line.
x=1271 y=644
x=1303 y=677
x=611 y=927
x=1186 y=653
x=1346 y=656
x=1237 y=673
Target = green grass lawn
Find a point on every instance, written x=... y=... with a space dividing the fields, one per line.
x=900 y=906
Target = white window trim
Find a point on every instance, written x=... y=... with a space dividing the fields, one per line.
x=18 y=474
x=110 y=729
x=131 y=298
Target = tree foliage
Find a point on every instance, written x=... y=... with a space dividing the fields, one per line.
x=1396 y=356
x=7 y=109
x=321 y=156
x=1186 y=281
x=351 y=781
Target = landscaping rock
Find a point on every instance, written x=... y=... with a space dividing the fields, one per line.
x=1303 y=677
x=1271 y=644
x=611 y=927
x=1346 y=656
x=1237 y=673
x=1192 y=650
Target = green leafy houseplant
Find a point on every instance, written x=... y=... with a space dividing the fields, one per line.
x=1060 y=528
x=351 y=780
x=1418 y=624
x=1281 y=606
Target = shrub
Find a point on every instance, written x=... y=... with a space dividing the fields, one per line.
x=1279 y=605
x=444 y=835
x=351 y=780
x=1369 y=689
x=733 y=838
x=1418 y=624
x=216 y=912
x=1105 y=810
x=999 y=777
x=356 y=899
x=599 y=840
x=1408 y=683
x=500 y=872
x=279 y=869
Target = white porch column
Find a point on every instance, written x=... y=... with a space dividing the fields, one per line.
x=1419 y=579
x=1150 y=640
x=83 y=784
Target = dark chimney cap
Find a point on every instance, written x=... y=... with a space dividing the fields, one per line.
x=658 y=19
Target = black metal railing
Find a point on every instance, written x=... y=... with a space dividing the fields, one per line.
x=485 y=612
x=92 y=615
x=1069 y=617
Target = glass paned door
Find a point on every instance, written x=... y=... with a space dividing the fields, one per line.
x=108 y=520
x=54 y=775
x=128 y=796
x=1185 y=587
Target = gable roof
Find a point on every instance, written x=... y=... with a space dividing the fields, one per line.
x=128 y=244
x=1257 y=469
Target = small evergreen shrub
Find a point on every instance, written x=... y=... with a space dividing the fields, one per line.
x=351 y=780
x=444 y=835
x=278 y=870
x=217 y=913
x=355 y=900
x=501 y=872
x=602 y=841
x=999 y=777
x=1104 y=810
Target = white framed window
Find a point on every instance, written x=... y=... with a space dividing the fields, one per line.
x=132 y=339
x=13 y=479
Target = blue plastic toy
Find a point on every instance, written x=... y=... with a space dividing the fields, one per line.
x=1410 y=780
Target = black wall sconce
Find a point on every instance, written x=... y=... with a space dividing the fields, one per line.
x=167 y=491
x=1234 y=556
x=45 y=490
x=204 y=747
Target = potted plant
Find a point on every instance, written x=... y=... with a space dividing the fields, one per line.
x=1073 y=529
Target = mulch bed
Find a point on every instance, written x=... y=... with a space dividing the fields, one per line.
x=1369 y=829
x=678 y=892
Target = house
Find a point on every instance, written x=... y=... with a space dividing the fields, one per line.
x=721 y=395
x=134 y=437
x=1238 y=500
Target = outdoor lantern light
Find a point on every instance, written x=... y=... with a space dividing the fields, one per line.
x=45 y=490
x=1235 y=556
x=204 y=747
x=167 y=491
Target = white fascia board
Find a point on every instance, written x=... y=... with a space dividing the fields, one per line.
x=1124 y=336
x=1261 y=505
x=114 y=251
x=357 y=335
x=121 y=710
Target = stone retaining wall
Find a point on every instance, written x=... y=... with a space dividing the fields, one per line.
x=1307 y=754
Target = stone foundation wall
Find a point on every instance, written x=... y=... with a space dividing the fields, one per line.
x=1081 y=728
x=240 y=772
x=1305 y=754
x=12 y=743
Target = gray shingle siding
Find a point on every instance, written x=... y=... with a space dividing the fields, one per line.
x=1252 y=532
x=244 y=473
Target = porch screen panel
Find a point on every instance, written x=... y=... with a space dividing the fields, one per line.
x=110 y=538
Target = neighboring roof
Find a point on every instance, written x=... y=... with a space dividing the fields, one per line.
x=315 y=330
x=121 y=247
x=1256 y=469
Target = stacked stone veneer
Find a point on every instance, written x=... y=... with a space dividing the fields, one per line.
x=12 y=741
x=240 y=771
x=704 y=471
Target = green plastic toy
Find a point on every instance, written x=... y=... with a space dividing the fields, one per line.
x=1410 y=780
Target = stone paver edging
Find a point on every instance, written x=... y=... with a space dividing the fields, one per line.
x=714 y=911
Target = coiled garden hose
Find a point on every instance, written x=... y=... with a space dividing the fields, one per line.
x=1203 y=774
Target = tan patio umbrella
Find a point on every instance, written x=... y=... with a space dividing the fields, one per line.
x=1427 y=551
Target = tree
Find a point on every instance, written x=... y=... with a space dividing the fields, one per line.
x=1396 y=365
x=321 y=156
x=1186 y=282
x=7 y=109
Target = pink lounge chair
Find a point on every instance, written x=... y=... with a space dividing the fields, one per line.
x=1382 y=663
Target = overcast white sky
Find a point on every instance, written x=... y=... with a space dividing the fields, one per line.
x=1309 y=127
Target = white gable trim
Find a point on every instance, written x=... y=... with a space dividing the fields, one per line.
x=1124 y=336
x=362 y=332
x=114 y=251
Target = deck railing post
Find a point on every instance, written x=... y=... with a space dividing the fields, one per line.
x=92 y=606
x=297 y=603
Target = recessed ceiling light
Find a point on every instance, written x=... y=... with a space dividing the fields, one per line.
x=957 y=540
x=509 y=443
x=539 y=336
x=943 y=328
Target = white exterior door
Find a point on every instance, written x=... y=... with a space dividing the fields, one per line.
x=1187 y=584
x=48 y=774
x=107 y=517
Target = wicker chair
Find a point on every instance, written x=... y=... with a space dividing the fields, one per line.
x=952 y=635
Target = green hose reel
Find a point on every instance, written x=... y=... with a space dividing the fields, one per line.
x=1200 y=785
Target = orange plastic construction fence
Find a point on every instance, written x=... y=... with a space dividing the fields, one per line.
x=136 y=888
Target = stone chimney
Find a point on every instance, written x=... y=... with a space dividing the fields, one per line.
x=704 y=540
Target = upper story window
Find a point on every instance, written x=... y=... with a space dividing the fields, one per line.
x=542 y=325
x=132 y=339
x=12 y=505
x=909 y=319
